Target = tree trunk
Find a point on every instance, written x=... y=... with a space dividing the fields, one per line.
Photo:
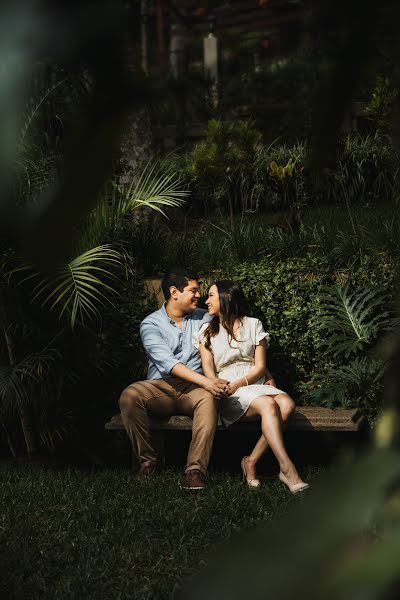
x=162 y=51
x=9 y=441
x=136 y=146
x=28 y=431
x=24 y=413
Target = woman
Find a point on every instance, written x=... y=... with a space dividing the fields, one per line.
x=232 y=346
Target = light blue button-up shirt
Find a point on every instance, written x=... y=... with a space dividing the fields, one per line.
x=166 y=344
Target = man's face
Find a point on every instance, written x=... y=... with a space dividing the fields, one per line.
x=187 y=300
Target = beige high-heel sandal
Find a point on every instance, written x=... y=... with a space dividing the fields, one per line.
x=296 y=487
x=251 y=483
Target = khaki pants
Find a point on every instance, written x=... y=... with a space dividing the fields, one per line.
x=163 y=398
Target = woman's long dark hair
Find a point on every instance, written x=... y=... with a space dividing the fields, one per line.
x=233 y=306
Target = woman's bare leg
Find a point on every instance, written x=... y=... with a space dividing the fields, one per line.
x=268 y=410
x=286 y=407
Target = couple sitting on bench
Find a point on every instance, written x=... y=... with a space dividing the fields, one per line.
x=207 y=365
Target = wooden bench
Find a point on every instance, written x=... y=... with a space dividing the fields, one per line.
x=305 y=418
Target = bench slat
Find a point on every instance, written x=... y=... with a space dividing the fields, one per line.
x=305 y=418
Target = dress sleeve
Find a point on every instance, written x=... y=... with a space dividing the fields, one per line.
x=198 y=336
x=260 y=333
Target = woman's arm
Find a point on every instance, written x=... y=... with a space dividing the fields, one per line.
x=269 y=378
x=255 y=373
x=207 y=362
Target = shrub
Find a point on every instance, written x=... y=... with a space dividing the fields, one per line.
x=382 y=101
x=358 y=383
x=232 y=172
x=221 y=167
x=367 y=170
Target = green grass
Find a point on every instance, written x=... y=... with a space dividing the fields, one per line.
x=68 y=534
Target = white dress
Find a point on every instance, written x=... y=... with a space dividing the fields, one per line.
x=234 y=359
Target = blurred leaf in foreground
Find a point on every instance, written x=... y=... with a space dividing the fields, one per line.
x=334 y=545
x=77 y=35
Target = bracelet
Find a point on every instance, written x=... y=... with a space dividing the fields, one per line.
x=247 y=382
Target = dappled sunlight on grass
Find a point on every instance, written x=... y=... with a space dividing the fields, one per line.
x=67 y=534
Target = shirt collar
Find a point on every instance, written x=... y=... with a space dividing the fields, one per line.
x=165 y=314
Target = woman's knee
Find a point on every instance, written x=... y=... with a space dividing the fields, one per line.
x=265 y=405
x=287 y=406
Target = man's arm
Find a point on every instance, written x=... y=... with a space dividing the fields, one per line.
x=157 y=349
x=214 y=385
x=167 y=363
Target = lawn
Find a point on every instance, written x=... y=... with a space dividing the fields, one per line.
x=71 y=534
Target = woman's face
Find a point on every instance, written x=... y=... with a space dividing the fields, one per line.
x=212 y=301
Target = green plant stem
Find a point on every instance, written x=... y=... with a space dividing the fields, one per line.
x=24 y=414
x=9 y=441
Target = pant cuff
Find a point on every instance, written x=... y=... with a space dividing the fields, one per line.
x=197 y=468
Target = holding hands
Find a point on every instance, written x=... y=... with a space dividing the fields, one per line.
x=221 y=388
x=217 y=387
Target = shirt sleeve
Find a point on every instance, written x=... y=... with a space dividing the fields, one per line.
x=198 y=336
x=260 y=333
x=157 y=349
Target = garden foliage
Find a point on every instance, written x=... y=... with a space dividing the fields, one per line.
x=221 y=166
x=42 y=355
x=233 y=171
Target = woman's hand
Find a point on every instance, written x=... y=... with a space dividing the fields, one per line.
x=235 y=385
x=269 y=378
x=217 y=387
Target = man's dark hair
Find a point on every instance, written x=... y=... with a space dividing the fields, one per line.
x=179 y=277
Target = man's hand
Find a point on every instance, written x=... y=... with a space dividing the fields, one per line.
x=217 y=387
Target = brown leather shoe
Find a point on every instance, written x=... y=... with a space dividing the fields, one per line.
x=145 y=471
x=193 y=480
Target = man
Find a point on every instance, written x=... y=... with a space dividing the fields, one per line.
x=175 y=384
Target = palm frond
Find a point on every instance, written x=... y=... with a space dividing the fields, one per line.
x=38 y=364
x=81 y=287
x=34 y=109
x=350 y=320
x=155 y=190
x=17 y=382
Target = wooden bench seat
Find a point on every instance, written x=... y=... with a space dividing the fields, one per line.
x=305 y=418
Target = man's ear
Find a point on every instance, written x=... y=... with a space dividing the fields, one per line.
x=173 y=290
